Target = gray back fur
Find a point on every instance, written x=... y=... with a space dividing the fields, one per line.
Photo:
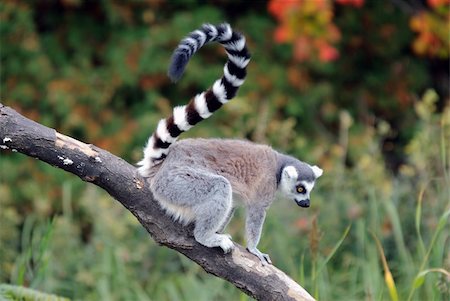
x=250 y=168
x=305 y=173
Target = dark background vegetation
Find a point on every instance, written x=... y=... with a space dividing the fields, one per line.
x=360 y=88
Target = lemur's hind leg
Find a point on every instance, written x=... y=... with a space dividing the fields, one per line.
x=206 y=196
x=227 y=220
x=210 y=215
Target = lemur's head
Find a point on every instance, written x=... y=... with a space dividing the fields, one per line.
x=297 y=180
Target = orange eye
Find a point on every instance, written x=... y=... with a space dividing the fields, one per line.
x=300 y=189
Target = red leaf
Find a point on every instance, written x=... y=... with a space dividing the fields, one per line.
x=282 y=34
x=328 y=53
x=355 y=3
x=278 y=8
x=436 y=3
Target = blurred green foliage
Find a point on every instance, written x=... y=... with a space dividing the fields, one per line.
x=95 y=70
x=16 y=293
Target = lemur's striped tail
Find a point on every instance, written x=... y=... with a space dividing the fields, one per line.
x=203 y=105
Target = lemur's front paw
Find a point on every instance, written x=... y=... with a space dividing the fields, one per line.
x=225 y=243
x=265 y=259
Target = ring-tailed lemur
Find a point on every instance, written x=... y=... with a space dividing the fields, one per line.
x=194 y=180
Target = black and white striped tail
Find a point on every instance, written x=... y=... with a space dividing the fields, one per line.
x=202 y=105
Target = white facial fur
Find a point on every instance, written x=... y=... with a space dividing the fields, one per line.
x=317 y=171
x=289 y=176
x=309 y=186
x=289 y=182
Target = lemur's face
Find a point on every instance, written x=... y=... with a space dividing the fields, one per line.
x=296 y=186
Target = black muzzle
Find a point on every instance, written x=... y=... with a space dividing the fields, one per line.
x=303 y=203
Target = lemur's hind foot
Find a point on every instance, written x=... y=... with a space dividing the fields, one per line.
x=265 y=259
x=216 y=240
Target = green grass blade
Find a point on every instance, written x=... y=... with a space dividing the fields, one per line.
x=389 y=280
x=13 y=292
x=418 y=219
x=445 y=125
x=443 y=220
x=398 y=233
x=420 y=278
x=336 y=247
x=302 y=269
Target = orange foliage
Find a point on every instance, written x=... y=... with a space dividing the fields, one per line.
x=309 y=26
x=432 y=29
x=279 y=7
x=356 y=3
x=437 y=3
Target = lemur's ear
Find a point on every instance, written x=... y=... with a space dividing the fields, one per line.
x=317 y=171
x=290 y=172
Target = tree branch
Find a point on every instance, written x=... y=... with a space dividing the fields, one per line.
x=121 y=181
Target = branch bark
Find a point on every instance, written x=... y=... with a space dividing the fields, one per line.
x=122 y=182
